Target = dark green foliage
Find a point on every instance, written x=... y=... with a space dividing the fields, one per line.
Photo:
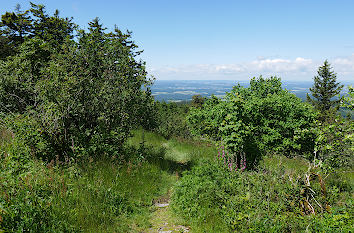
x=52 y=29
x=170 y=120
x=84 y=95
x=335 y=144
x=19 y=26
x=28 y=141
x=257 y=120
x=325 y=88
x=14 y=27
x=197 y=101
x=268 y=200
x=29 y=39
x=20 y=74
x=91 y=93
x=206 y=121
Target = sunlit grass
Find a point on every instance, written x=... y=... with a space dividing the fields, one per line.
x=149 y=138
x=111 y=198
x=296 y=165
x=92 y=186
x=176 y=149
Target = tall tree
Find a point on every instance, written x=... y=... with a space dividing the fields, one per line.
x=14 y=28
x=19 y=26
x=323 y=91
x=28 y=39
x=91 y=93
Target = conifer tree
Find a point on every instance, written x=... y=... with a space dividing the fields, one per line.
x=324 y=89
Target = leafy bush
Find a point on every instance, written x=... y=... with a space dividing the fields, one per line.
x=170 y=120
x=30 y=38
x=255 y=120
x=19 y=75
x=206 y=121
x=275 y=198
x=335 y=144
x=27 y=139
x=91 y=93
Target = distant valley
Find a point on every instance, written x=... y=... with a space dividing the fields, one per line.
x=183 y=90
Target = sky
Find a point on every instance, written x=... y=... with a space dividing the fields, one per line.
x=226 y=40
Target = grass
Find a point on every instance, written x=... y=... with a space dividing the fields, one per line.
x=106 y=195
x=137 y=184
x=108 y=198
x=150 y=138
x=175 y=149
x=268 y=199
x=103 y=194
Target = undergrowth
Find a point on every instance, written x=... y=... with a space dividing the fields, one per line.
x=97 y=194
x=89 y=195
x=268 y=199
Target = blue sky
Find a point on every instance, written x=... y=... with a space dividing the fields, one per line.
x=227 y=39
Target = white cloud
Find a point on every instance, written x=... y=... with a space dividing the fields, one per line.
x=281 y=65
x=344 y=66
x=289 y=69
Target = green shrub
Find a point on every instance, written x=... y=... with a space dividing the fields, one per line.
x=335 y=144
x=90 y=107
x=256 y=120
x=171 y=120
x=84 y=95
x=28 y=140
x=272 y=199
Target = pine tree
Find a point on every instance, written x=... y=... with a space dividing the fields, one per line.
x=324 y=89
x=19 y=26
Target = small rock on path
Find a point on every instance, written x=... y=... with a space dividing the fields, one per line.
x=162 y=220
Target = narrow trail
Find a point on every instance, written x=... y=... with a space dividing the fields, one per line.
x=162 y=219
x=177 y=157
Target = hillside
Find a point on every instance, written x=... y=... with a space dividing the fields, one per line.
x=88 y=144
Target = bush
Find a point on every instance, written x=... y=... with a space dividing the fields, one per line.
x=272 y=199
x=335 y=144
x=91 y=96
x=257 y=120
x=85 y=99
x=170 y=120
x=27 y=139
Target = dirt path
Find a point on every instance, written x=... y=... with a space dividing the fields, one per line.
x=162 y=219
